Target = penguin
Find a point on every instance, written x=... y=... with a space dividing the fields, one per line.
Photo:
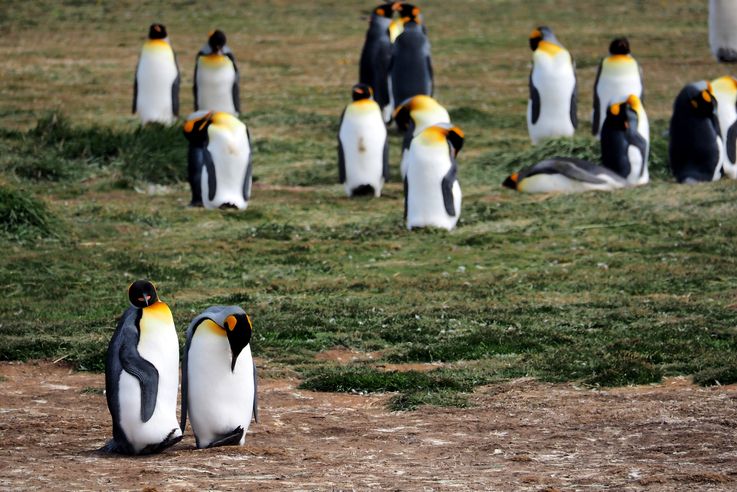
x=725 y=92
x=219 y=377
x=219 y=160
x=695 y=149
x=216 y=77
x=564 y=175
x=432 y=193
x=363 y=145
x=376 y=55
x=723 y=30
x=410 y=69
x=618 y=76
x=625 y=141
x=413 y=116
x=142 y=376
x=156 y=84
x=551 y=109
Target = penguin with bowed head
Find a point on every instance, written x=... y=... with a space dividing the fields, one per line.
x=410 y=69
x=551 y=109
x=363 y=145
x=219 y=160
x=723 y=30
x=156 y=85
x=725 y=91
x=432 y=193
x=564 y=175
x=618 y=76
x=413 y=116
x=142 y=376
x=695 y=150
x=219 y=377
x=376 y=56
x=625 y=141
x=216 y=77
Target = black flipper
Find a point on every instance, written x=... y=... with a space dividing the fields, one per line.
x=230 y=439
x=406 y=191
x=254 y=415
x=446 y=185
x=135 y=91
x=194 y=82
x=341 y=154
x=535 y=98
x=236 y=90
x=429 y=71
x=211 y=178
x=175 y=90
x=595 y=123
x=249 y=169
x=195 y=162
x=574 y=108
x=146 y=374
x=731 y=143
x=642 y=82
x=385 y=171
x=169 y=441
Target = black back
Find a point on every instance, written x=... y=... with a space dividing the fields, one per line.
x=375 y=58
x=411 y=65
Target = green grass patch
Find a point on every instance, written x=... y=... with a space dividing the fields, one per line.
x=23 y=217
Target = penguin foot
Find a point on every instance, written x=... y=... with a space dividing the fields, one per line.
x=169 y=441
x=194 y=204
x=726 y=55
x=114 y=447
x=231 y=439
x=363 y=190
x=226 y=206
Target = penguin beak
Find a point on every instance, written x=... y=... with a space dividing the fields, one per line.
x=239 y=330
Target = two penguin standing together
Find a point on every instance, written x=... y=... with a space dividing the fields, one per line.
x=142 y=376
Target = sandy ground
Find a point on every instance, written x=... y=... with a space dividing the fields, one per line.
x=520 y=435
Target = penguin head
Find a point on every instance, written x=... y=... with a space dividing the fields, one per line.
x=157 y=31
x=512 y=181
x=541 y=33
x=619 y=46
x=453 y=135
x=386 y=10
x=701 y=98
x=195 y=128
x=216 y=41
x=238 y=329
x=361 y=91
x=623 y=116
x=412 y=108
x=142 y=293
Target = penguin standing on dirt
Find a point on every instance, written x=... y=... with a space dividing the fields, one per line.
x=220 y=167
x=625 y=141
x=411 y=64
x=723 y=30
x=413 y=116
x=551 y=109
x=219 y=377
x=376 y=56
x=695 y=149
x=363 y=145
x=142 y=376
x=564 y=175
x=432 y=193
x=618 y=76
x=725 y=91
x=156 y=85
x=216 y=77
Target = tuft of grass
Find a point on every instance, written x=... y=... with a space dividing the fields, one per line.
x=154 y=154
x=92 y=390
x=362 y=379
x=22 y=216
x=413 y=400
x=726 y=374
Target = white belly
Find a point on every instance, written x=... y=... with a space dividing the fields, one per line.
x=425 y=171
x=727 y=116
x=215 y=88
x=362 y=135
x=230 y=153
x=558 y=183
x=155 y=76
x=616 y=88
x=218 y=400
x=555 y=80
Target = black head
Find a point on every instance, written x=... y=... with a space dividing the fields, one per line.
x=217 y=40
x=511 y=181
x=195 y=129
x=539 y=34
x=361 y=91
x=701 y=98
x=619 y=46
x=386 y=10
x=410 y=13
x=157 y=31
x=239 y=329
x=142 y=293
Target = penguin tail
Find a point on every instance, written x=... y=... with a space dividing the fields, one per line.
x=363 y=190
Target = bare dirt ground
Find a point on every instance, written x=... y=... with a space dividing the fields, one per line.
x=520 y=435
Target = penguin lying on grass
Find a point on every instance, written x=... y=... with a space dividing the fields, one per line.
x=156 y=85
x=564 y=175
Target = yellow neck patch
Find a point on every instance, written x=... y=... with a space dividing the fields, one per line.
x=212 y=327
x=551 y=49
x=727 y=84
x=156 y=44
x=214 y=60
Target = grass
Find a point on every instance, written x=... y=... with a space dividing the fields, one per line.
x=601 y=288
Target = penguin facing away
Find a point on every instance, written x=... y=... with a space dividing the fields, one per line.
x=625 y=141
x=156 y=84
x=220 y=166
x=618 y=76
x=216 y=77
x=725 y=92
x=363 y=145
x=723 y=30
x=564 y=175
x=432 y=193
x=219 y=377
x=695 y=149
x=142 y=376
x=410 y=69
x=413 y=116
x=551 y=109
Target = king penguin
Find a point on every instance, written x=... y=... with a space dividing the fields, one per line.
x=219 y=377
x=432 y=193
x=413 y=116
x=723 y=30
x=156 y=85
x=551 y=109
x=411 y=64
x=725 y=91
x=220 y=167
x=363 y=145
x=625 y=141
x=216 y=77
x=142 y=376
x=564 y=175
x=376 y=56
x=619 y=75
x=695 y=149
